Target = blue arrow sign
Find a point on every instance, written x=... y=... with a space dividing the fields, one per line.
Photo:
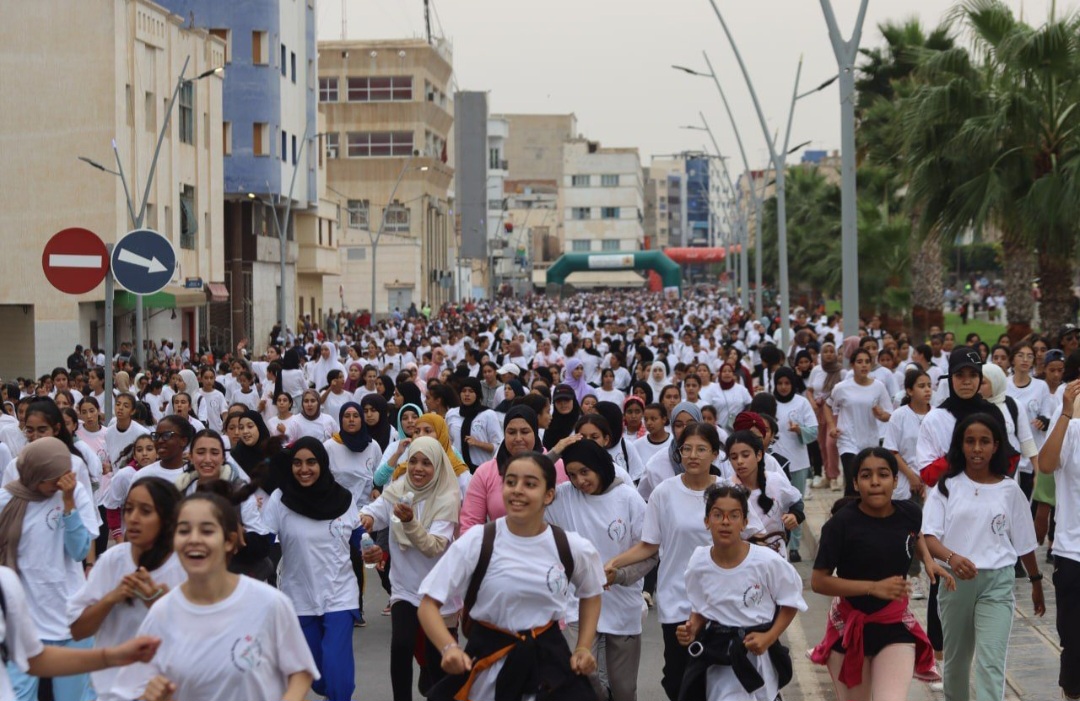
x=143 y=261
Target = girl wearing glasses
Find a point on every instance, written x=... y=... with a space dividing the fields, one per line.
x=171 y=440
x=742 y=599
x=774 y=501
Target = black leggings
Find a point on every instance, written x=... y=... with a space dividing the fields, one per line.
x=675 y=659
x=405 y=626
x=847 y=461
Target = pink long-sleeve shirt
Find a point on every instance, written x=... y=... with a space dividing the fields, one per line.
x=483 y=499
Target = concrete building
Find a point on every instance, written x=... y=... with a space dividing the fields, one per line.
x=534 y=146
x=268 y=134
x=78 y=74
x=388 y=121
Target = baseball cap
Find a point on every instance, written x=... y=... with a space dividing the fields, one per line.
x=1065 y=330
x=964 y=357
x=563 y=392
x=1054 y=354
x=510 y=369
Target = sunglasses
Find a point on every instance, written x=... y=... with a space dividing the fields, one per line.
x=162 y=435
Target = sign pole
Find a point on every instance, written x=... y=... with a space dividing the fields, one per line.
x=108 y=341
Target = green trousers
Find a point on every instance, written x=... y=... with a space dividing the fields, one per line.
x=976 y=620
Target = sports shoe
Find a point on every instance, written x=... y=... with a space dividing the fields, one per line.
x=648 y=598
x=819 y=483
x=937 y=686
x=386 y=611
x=918 y=593
x=360 y=622
x=837 y=485
x=794 y=556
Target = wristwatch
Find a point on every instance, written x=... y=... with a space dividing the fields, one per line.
x=1037 y=577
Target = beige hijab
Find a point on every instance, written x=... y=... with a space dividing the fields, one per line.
x=44 y=459
x=442 y=494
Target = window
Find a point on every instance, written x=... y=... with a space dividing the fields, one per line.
x=292 y=65
x=382 y=89
x=332 y=144
x=294 y=149
x=328 y=89
x=496 y=205
x=358 y=214
x=579 y=180
x=226 y=36
x=226 y=138
x=493 y=158
x=580 y=246
x=260 y=48
x=149 y=106
x=186 y=113
x=284 y=146
x=397 y=219
x=357 y=253
x=608 y=245
x=189 y=221
x=380 y=144
x=581 y=213
x=260 y=139
x=283 y=64
x=609 y=180
x=609 y=212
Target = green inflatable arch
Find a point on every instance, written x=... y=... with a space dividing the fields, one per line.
x=670 y=272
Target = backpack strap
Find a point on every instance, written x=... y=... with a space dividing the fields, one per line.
x=487 y=545
x=562 y=544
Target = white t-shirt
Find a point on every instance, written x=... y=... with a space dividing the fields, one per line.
x=788 y=443
x=784 y=496
x=18 y=632
x=935 y=435
x=116 y=441
x=525 y=585
x=612 y=522
x=82 y=475
x=410 y=565
x=853 y=405
x=626 y=457
x=647 y=449
x=486 y=427
x=242 y=648
x=331 y=406
x=49 y=576
x=989 y=524
x=610 y=395
x=320 y=428
x=209 y=406
x=902 y=436
x=729 y=403
x=354 y=471
x=250 y=399
x=316 y=572
x=745 y=595
x=127 y=476
x=125 y=618
x=1067 y=477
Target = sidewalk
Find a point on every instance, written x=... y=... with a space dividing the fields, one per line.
x=1032 y=670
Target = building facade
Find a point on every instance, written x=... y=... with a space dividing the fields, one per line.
x=119 y=63
x=603 y=198
x=388 y=121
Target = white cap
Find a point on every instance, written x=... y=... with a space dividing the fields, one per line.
x=510 y=369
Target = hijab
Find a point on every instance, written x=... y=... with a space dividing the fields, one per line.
x=580 y=386
x=380 y=432
x=673 y=447
x=797 y=386
x=657 y=386
x=388 y=385
x=247 y=457
x=325 y=500
x=503 y=456
x=442 y=435
x=998 y=383
x=468 y=414
x=731 y=383
x=191 y=383
x=833 y=371
x=352 y=385
x=441 y=495
x=516 y=389
x=612 y=412
x=323 y=366
x=411 y=393
x=317 y=412
x=44 y=459
x=358 y=441
x=410 y=407
x=596 y=458
x=122 y=381
x=636 y=400
x=562 y=425
x=799 y=356
x=960 y=358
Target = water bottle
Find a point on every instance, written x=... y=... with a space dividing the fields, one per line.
x=407 y=501
x=365 y=543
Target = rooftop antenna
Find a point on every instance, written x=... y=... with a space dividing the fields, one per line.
x=344 y=21
x=427 y=19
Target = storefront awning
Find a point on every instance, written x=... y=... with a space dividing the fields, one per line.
x=172 y=297
x=217 y=292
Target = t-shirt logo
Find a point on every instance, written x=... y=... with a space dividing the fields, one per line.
x=246 y=653
x=909 y=544
x=556 y=579
x=753 y=595
x=338 y=529
x=52 y=517
x=616 y=530
x=997 y=525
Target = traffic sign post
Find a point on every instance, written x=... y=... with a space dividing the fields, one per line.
x=107 y=370
x=143 y=262
x=75 y=261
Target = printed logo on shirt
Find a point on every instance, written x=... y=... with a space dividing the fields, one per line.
x=909 y=544
x=753 y=595
x=616 y=530
x=338 y=529
x=998 y=524
x=52 y=518
x=246 y=653
x=557 y=582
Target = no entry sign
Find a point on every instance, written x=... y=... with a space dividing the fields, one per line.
x=75 y=261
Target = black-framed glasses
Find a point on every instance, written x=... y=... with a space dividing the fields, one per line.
x=162 y=435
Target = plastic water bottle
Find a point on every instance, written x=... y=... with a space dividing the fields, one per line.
x=365 y=543
x=407 y=501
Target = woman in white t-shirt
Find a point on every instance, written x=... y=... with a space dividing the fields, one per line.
x=978 y=522
x=599 y=506
x=731 y=398
x=902 y=436
x=773 y=500
x=224 y=637
x=47 y=522
x=525 y=585
x=171 y=440
x=853 y=412
x=607 y=391
x=311 y=421
x=316 y=521
x=130 y=578
x=421 y=510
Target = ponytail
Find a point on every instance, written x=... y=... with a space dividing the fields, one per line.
x=763 y=501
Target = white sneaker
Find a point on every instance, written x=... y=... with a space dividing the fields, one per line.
x=838 y=485
x=819 y=483
x=918 y=592
x=648 y=598
x=937 y=686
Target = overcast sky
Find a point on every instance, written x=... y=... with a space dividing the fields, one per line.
x=608 y=61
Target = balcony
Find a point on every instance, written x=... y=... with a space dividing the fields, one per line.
x=318 y=260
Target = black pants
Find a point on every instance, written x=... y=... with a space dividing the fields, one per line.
x=650 y=580
x=933 y=620
x=1067 y=590
x=358 y=571
x=847 y=461
x=675 y=659
x=814 y=451
x=404 y=628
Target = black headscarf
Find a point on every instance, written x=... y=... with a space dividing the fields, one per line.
x=356 y=442
x=562 y=425
x=291 y=359
x=805 y=354
x=247 y=457
x=411 y=393
x=612 y=412
x=323 y=501
x=380 y=432
x=593 y=456
x=468 y=413
x=503 y=457
x=961 y=358
x=516 y=389
x=797 y=386
x=388 y=386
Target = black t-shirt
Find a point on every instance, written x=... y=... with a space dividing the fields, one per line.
x=858 y=546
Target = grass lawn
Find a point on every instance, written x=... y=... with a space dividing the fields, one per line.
x=988 y=331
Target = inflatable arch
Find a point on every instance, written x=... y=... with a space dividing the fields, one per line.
x=669 y=271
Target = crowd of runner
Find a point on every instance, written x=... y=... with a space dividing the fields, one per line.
x=526 y=480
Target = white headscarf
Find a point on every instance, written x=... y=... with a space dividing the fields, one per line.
x=322 y=366
x=658 y=386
